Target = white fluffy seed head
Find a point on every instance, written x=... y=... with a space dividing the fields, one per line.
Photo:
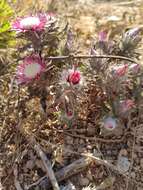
x=29 y=22
x=31 y=70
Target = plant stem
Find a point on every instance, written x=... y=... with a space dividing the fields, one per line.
x=91 y=57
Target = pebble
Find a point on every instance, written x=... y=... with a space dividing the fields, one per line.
x=139 y=188
x=81 y=149
x=30 y=164
x=66 y=152
x=133 y=174
x=123 y=152
x=81 y=141
x=123 y=163
x=129 y=143
x=76 y=141
x=137 y=161
x=83 y=181
x=69 y=140
x=134 y=156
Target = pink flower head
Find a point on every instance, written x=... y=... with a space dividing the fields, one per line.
x=102 y=36
x=34 y=23
x=74 y=77
x=69 y=115
x=126 y=105
x=120 y=71
x=110 y=123
x=134 y=68
x=30 y=69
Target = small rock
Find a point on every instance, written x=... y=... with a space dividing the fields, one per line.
x=123 y=152
x=81 y=141
x=81 y=149
x=138 y=177
x=134 y=156
x=39 y=164
x=129 y=143
x=133 y=174
x=137 y=161
x=66 y=152
x=76 y=141
x=139 y=188
x=69 y=186
x=89 y=147
x=69 y=140
x=83 y=181
x=123 y=163
x=30 y=164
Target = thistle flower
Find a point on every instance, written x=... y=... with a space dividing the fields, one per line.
x=120 y=70
x=110 y=123
x=69 y=115
x=102 y=36
x=72 y=76
x=34 y=23
x=126 y=105
x=30 y=69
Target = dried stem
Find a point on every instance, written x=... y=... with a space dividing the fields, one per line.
x=91 y=57
x=50 y=174
x=16 y=182
x=95 y=138
x=84 y=162
x=72 y=169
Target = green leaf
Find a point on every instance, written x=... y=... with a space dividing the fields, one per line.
x=6 y=36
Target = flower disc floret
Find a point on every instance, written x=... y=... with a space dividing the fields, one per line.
x=30 y=69
x=34 y=23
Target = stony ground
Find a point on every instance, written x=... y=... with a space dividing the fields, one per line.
x=123 y=150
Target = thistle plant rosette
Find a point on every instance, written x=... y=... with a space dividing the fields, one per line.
x=30 y=69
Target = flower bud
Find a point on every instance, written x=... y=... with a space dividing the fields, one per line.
x=130 y=39
x=110 y=123
x=102 y=36
x=74 y=77
x=134 y=68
